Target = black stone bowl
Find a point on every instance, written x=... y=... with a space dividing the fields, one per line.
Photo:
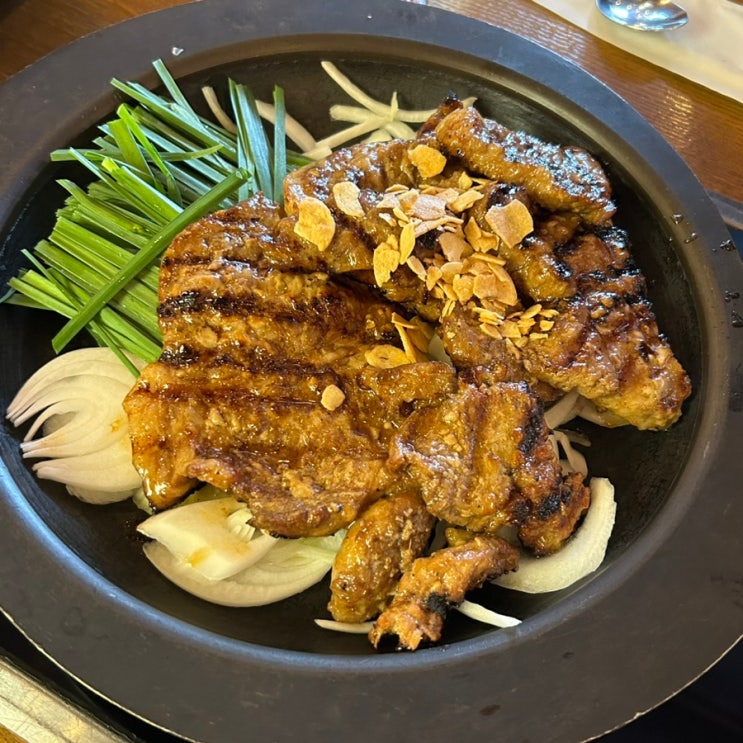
x=666 y=603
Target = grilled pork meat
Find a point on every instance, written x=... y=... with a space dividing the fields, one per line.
x=558 y=178
x=250 y=347
x=605 y=342
x=609 y=348
x=436 y=583
x=618 y=358
x=379 y=547
x=483 y=359
x=483 y=460
x=372 y=169
x=273 y=382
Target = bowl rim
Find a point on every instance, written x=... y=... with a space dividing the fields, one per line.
x=108 y=624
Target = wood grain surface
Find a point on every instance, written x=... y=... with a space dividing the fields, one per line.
x=704 y=127
x=7 y=737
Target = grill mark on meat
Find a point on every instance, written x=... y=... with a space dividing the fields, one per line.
x=316 y=310
x=612 y=352
x=180 y=356
x=552 y=520
x=483 y=459
x=532 y=431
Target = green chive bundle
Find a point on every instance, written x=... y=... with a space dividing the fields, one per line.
x=157 y=167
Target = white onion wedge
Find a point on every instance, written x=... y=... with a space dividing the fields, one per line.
x=76 y=400
x=75 y=419
x=583 y=554
x=107 y=470
x=351 y=628
x=487 y=616
x=251 y=587
x=200 y=535
x=101 y=362
x=562 y=411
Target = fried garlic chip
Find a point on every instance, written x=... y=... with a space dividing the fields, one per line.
x=511 y=222
x=429 y=161
x=315 y=222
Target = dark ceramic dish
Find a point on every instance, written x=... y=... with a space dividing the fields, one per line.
x=667 y=602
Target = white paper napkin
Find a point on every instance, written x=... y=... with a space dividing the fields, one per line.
x=707 y=50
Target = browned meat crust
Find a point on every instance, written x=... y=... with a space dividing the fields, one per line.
x=558 y=178
x=235 y=399
x=379 y=547
x=483 y=460
x=259 y=322
x=373 y=168
x=435 y=583
x=605 y=342
x=609 y=348
x=482 y=359
x=561 y=258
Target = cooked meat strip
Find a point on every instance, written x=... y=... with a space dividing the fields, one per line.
x=372 y=168
x=386 y=397
x=609 y=348
x=483 y=459
x=558 y=178
x=250 y=344
x=481 y=358
x=561 y=257
x=605 y=342
x=378 y=548
x=435 y=583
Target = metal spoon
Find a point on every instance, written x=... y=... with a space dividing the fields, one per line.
x=648 y=15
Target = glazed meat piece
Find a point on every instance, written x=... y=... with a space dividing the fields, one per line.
x=386 y=397
x=605 y=342
x=558 y=178
x=483 y=460
x=435 y=583
x=561 y=257
x=237 y=398
x=371 y=168
x=609 y=349
x=378 y=548
x=483 y=359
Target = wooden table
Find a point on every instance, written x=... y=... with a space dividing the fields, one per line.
x=704 y=127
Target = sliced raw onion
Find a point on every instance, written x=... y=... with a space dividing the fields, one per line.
x=351 y=628
x=481 y=614
x=562 y=411
x=76 y=399
x=254 y=586
x=201 y=535
x=583 y=554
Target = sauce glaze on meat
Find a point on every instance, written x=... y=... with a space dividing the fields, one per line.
x=260 y=322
